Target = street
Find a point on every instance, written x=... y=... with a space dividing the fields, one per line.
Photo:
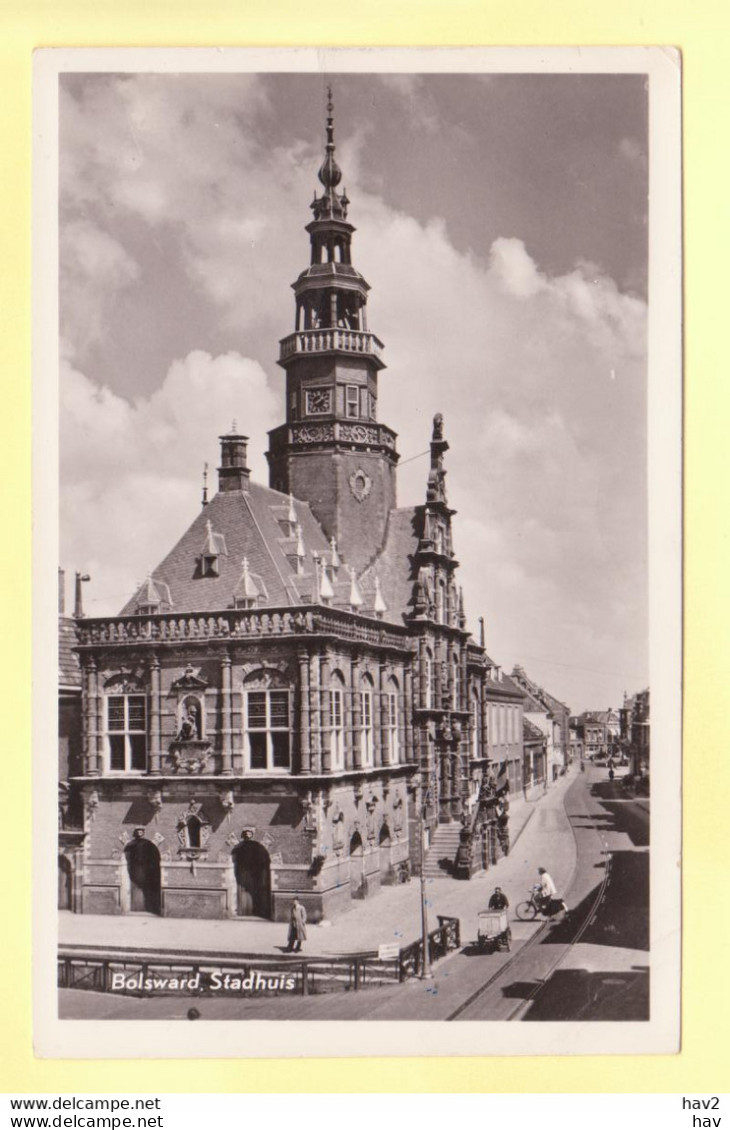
x=594 y=965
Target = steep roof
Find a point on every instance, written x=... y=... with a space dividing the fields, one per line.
x=253 y=524
x=69 y=669
x=531 y=732
x=289 y=561
x=394 y=565
x=532 y=703
x=504 y=687
x=542 y=700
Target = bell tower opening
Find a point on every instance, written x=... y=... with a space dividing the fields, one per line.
x=332 y=451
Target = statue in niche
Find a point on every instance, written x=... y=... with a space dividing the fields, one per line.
x=190 y=725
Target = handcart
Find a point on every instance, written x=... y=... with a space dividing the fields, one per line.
x=493 y=932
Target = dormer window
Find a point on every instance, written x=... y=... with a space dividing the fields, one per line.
x=213 y=548
x=250 y=592
x=209 y=565
x=153 y=597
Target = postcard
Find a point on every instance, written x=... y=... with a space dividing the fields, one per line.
x=357 y=394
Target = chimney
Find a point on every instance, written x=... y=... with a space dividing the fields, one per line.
x=233 y=474
x=78 y=601
x=61 y=591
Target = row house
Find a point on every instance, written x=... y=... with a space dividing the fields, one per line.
x=551 y=717
x=635 y=732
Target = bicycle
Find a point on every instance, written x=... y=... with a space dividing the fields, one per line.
x=537 y=903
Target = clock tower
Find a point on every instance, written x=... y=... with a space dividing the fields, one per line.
x=332 y=452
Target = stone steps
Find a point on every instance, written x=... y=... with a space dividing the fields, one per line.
x=442 y=852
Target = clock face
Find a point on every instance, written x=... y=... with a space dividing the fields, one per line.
x=319 y=401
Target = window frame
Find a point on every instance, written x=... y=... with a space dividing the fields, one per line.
x=337 y=730
x=352 y=401
x=126 y=731
x=475 y=747
x=268 y=730
x=391 y=729
x=367 y=730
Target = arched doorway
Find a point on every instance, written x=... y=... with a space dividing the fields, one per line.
x=252 y=867
x=65 y=883
x=384 y=845
x=358 y=883
x=143 y=866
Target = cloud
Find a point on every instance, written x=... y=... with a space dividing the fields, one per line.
x=541 y=377
x=514 y=268
x=132 y=471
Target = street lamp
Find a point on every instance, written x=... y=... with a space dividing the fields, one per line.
x=423 y=801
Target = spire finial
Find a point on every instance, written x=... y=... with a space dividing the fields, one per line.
x=330 y=118
x=234 y=427
x=330 y=206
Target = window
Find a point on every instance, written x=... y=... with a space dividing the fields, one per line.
x=126 y=724
x=267 y=730
x=429 y=680
x=475 y=721
x=352 y=402
x=337 y=731
x=455 y=673
x=366 y=718
x=391 y=723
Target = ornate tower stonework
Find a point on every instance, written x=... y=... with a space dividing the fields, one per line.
x=332 y=452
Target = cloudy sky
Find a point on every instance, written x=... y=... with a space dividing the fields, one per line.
x=502 y=225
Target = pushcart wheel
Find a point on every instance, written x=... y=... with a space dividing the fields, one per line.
x=526 y=911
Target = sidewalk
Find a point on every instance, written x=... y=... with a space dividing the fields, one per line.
x=541 y=836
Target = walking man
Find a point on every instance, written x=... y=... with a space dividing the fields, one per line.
x=297 y=927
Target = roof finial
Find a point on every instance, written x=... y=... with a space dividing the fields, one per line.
x=379 y=604
x=205 y=484
x=234 y=427
x=292 y=514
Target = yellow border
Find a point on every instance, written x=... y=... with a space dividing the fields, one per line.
x=700 y=28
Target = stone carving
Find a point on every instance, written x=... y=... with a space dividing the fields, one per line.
x=338 y=831
x=228 y=803
x=358 y=433
x=191 y=680
x=190 y=757
x=313 y=433
x=92 y=803
x=191 y=720
x=193 y=833
x=360 y=485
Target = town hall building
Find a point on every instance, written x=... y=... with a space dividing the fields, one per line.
x=291 y=703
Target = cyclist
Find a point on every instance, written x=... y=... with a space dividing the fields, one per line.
x=549 y=893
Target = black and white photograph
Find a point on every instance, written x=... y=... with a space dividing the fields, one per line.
x=365 y=383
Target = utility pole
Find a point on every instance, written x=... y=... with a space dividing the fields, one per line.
x=426 y=973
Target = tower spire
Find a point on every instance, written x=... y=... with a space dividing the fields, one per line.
x=330 y=206
x=332 y=362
